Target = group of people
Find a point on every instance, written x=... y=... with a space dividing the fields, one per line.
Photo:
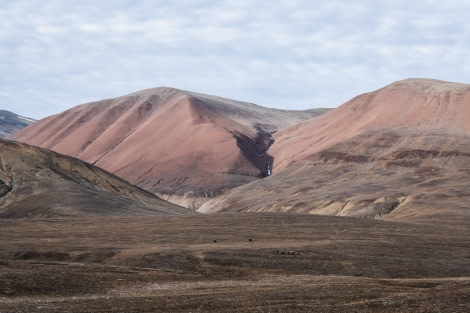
x=288 y=252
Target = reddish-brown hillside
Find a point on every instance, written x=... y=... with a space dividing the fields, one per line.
x=180 y=145
x=412 y=105
x=402 y=151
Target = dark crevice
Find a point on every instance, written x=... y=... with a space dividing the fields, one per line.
x=255 y=151
x=4 y=188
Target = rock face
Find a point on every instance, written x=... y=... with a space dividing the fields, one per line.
x=35 y=182
x=183 y=146
x=400 y=152
x=11 y=123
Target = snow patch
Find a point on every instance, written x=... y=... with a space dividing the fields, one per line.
x=26 y=119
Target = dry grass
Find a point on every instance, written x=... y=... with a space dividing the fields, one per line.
x=172 y=264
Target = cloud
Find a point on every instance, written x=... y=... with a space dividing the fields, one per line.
x=291 y=54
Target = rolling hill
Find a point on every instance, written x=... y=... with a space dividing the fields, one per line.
x=35 y=182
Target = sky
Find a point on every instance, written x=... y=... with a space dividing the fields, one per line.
x=293 y=54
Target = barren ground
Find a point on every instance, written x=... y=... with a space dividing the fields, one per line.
x=173 y=264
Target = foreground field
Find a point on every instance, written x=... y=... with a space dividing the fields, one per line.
x=233 y=263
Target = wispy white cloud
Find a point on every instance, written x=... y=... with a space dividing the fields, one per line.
x=291 y=54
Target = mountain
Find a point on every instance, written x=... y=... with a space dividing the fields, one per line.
x=36 y=182
x=11 y=123
x=400 y=152
x=183 y=146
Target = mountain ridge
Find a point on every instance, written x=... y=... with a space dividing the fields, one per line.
x=399 y=152
x=180 y=145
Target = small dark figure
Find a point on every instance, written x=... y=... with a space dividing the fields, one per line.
x=215 y=240
x=250 y=240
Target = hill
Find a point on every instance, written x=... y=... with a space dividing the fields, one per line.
x=400 y=152
x=11 y=123
x=183 y=146
x=35 y=182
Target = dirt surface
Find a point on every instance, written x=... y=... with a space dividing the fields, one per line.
x=233 y=263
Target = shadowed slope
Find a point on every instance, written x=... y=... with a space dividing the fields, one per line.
x=11 y=123
x=38 y=182
x=180 y=145
x=402 y=152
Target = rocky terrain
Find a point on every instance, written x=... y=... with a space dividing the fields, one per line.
x=36 y=182
x=400 y=152
x=11 y=123
x=183 y=146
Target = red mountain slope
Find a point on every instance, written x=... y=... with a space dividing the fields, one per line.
x=402 y=151
x=412 y=105
x=181 y=145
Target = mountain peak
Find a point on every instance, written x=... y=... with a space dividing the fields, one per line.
x=169 y=141
x=428 y=86
x=161 y=91
x=414 y=105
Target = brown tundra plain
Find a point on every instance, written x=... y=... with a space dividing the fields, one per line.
x=244 y=262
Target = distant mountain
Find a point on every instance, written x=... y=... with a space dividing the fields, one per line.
x=400 y=152
x=35 y=182
x=181 y=145
x=11 y=123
